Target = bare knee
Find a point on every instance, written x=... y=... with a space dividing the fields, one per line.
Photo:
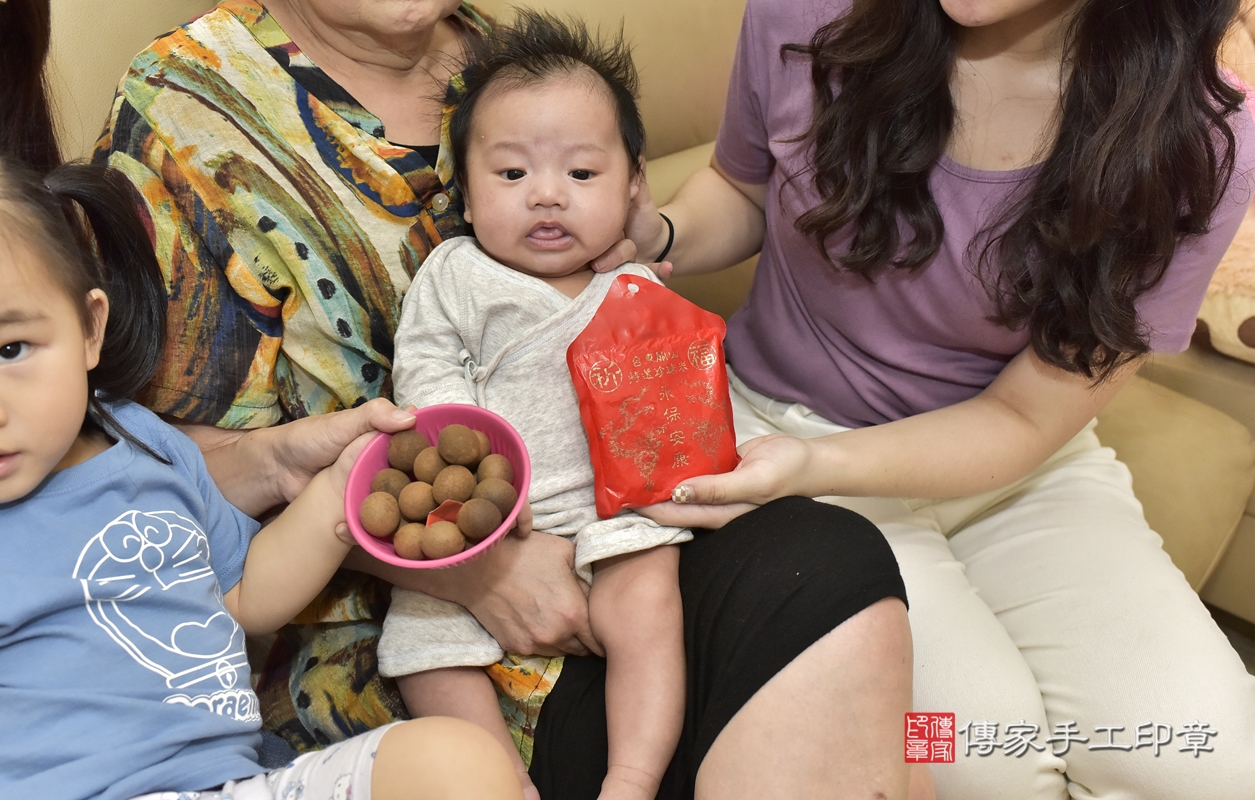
x=441 y=758
x=830 y=724
x=884 y=634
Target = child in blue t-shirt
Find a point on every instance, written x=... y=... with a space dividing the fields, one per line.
x=127 y=581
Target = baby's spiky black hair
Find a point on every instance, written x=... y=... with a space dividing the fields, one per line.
x=537 y=46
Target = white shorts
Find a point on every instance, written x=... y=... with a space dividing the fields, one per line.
x=339 y=772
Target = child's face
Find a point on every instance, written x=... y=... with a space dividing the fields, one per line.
x=44 y=359
x=548 y=176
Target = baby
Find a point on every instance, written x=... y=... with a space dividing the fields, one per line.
x=547 y=141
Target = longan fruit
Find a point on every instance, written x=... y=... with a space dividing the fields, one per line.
x=416 y=501
x=496 y=466
x=498 y=492
x=428 y=464
x=485 y=446
x=453 y=483
x=478 y=518
x=380 y=515
x=389 y=480
x=404 y=447
x=458 y=445
x=442 y=539
x=408 y=541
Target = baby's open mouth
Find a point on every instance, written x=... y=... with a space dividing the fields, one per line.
x=548 y=234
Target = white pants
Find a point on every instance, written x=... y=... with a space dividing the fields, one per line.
x=1050 y=606
x=340 y=772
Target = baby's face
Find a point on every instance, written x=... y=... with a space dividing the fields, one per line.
x=548 y=179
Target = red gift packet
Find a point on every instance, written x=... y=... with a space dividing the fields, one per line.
x=653 y=389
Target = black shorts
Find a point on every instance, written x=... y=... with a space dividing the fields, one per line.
x=756 y=594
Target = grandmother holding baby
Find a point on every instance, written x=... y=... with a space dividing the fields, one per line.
x=295 y=167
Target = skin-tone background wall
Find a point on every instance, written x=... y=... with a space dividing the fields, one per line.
x=94 y=40
x=92 y=43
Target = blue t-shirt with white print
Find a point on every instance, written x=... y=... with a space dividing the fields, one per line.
x=121 y=671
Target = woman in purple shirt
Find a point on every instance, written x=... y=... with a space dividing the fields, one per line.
x=976 y=219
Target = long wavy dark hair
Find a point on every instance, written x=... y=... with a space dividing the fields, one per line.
x=1142 y=157
x=81 y=222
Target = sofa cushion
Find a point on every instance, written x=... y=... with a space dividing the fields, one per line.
x=1193 y=470
x=1227 y=318
x=1229 y=587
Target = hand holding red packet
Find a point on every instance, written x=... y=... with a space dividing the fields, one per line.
x=653 y=390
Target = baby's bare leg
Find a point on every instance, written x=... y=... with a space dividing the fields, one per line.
x=636 y=614
x=465 y=693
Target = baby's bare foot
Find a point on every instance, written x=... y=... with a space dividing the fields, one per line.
x=625 y=783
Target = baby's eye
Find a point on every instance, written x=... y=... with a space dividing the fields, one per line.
x=13 y=351
x=581 y=174
x=513 y=174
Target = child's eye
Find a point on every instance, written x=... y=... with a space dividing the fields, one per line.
x=13 y=351
x=513 y=174
x=581 y=174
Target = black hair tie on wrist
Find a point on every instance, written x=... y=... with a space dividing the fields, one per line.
x=670 y=237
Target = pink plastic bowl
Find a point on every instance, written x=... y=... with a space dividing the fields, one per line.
x=429 y=421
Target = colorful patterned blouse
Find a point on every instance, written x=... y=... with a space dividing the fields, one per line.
x=289 y=228
x=288 y=225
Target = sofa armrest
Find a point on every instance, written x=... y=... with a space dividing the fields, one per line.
x=1208 y=376
x=1228 y=385
x=1193 y=470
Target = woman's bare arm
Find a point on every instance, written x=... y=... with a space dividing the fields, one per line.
x=1028 y=412
x=718 y=222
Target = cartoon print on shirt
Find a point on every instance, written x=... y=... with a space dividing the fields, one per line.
x=144 y=552
x=343 y=789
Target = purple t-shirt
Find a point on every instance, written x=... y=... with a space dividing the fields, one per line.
x=864 y=353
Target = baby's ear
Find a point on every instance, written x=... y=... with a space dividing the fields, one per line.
x=637 y=178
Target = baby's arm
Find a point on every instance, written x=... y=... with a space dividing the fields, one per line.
x=290 y=560
x=465 y=693
x=636 y=615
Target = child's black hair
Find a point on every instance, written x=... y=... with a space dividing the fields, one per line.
x=26 y=128
x=111 y=252
x=537 y=46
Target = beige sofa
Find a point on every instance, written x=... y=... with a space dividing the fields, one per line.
x=1184 y=428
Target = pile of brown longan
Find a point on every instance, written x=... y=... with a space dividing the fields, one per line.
x=460 y=466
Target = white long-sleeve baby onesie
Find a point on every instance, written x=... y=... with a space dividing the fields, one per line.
x=475 y=331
